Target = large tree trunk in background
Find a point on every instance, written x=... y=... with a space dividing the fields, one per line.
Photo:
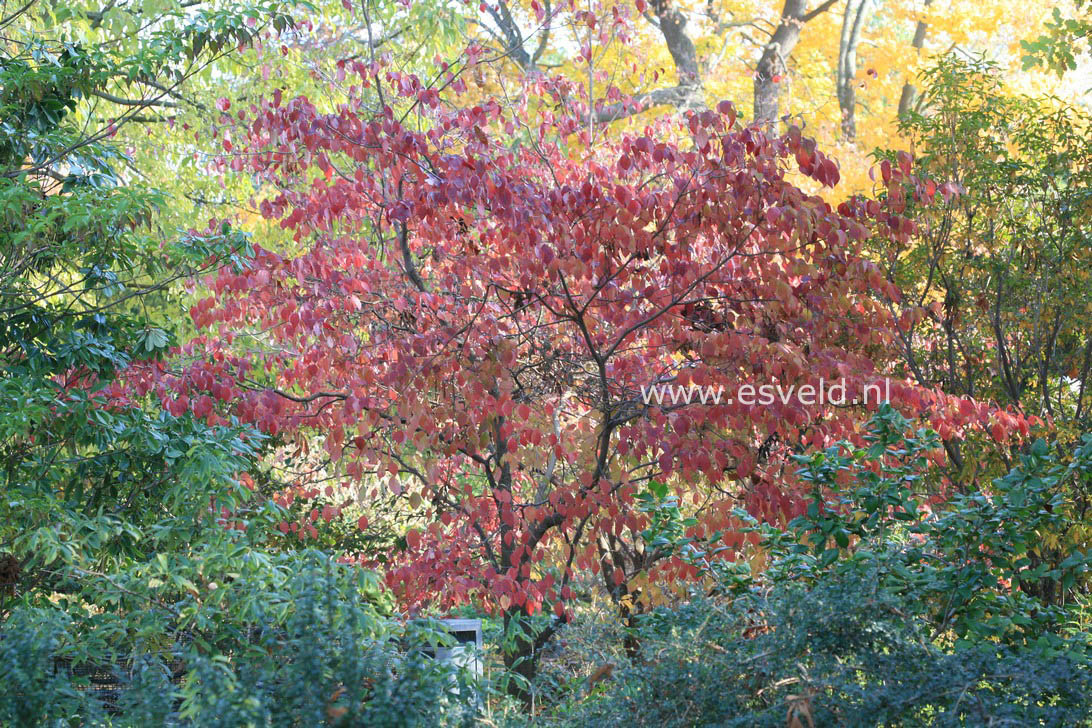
x=775 y=54
x=906 y=99
x=672 y=24
x=852 y=24
x=688 y=92
x=771 y=63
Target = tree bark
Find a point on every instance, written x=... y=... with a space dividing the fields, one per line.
x=909 y=92
x=521 y=656
x=852 y=24
x=687 y=93
x=773 y=61
x=615 y=555
x=511 y=38
x=672 y=25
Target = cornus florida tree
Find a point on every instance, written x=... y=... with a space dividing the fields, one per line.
x=469 y=321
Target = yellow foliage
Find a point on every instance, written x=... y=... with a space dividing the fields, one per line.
x=729 y=36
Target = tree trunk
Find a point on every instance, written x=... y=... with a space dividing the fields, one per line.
x=616 y=556
x=906 y=99
x=672 y=24
x=772 y=64
x=688 y=92
x=520 y=657
x=522 y=653
x=852 y=24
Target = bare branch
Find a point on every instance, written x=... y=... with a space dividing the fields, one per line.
x=134 y=102
x=812 y=15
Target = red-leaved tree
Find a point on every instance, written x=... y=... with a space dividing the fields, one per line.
x=480 y=295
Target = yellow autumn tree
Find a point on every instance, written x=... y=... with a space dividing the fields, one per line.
x=844 y=69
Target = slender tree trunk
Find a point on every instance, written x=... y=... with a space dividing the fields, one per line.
x=520 y=656
x=909 y=92
x=852 y=24
x=522 y=650
x=522 y=643
x=615 y=556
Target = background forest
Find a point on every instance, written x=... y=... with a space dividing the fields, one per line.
x=322 y=321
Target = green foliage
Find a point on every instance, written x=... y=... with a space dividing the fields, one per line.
x=878 y=610
x=978 y=566
x=667 y=533
x=91 y=480
x=1065 y=40
x=842 y=652
x=996 y=279
x=667 y=525
x=282 y=641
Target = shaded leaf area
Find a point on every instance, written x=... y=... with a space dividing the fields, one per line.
x=874 y=610
x=289 y=641
x=840 y=652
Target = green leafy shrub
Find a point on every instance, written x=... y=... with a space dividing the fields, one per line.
x=979 y=566
x=844 y=652
x=302 y=641
x=875 y=610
